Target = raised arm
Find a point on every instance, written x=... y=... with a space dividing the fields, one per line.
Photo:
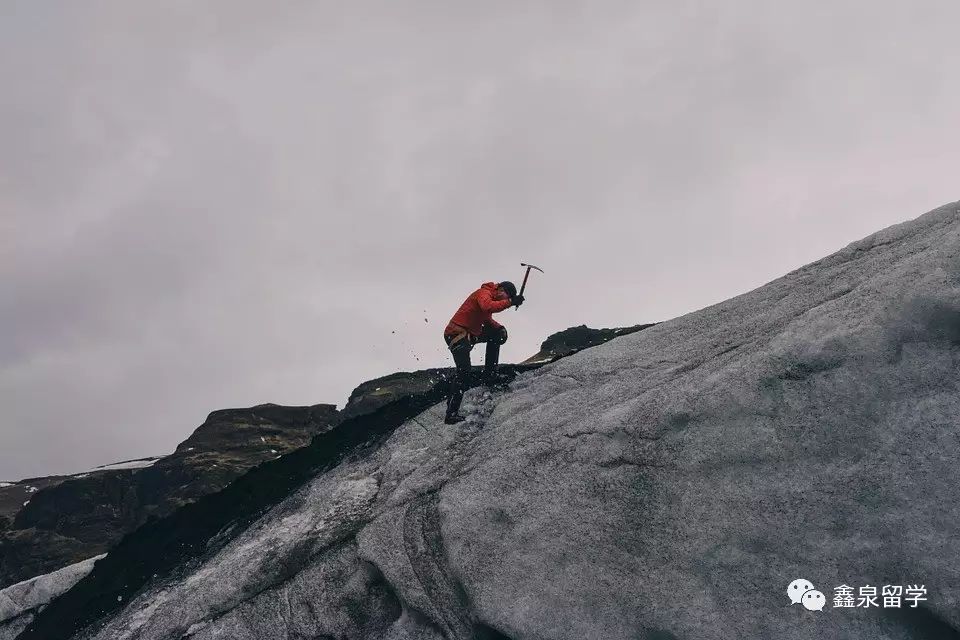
x=487 y=303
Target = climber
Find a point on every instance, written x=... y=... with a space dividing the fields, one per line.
x=472 y=323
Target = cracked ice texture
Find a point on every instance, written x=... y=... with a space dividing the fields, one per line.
x=668 y=484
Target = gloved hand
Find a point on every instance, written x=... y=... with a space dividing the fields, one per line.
x=503 y=335
x=517 y=300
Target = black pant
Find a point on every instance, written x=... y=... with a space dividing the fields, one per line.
x=460 y=349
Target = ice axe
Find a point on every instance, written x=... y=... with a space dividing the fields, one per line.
x=527 y=275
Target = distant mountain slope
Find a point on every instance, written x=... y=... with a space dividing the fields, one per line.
x=48 y=523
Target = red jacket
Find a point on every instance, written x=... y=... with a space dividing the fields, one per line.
x=478 y=309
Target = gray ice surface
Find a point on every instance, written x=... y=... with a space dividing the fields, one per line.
x=669 y=484
x=20 y=601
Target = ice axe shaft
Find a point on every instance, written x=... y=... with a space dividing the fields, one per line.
x=527 y=275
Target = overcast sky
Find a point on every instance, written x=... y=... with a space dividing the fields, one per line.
x=218 y=204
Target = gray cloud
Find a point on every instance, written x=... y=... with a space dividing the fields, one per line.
x=237 y=203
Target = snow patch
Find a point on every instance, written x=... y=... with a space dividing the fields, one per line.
x=36 y=592
x=129 y=464
x=6 y=484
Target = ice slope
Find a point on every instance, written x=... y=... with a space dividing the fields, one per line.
x=20 y=601
x=667 y=485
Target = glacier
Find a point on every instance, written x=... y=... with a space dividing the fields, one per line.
x=668 y=484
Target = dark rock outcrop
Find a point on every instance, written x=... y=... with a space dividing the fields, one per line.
x=372 y=395
x=14 y=495
x=379 y=392
x=571 y=340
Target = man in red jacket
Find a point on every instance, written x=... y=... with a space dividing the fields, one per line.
x=473 y=322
